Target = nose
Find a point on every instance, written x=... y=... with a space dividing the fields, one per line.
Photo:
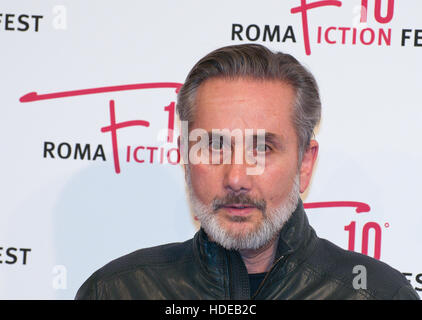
x=236 y=180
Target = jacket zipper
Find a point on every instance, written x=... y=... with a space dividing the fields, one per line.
x=266 y=277
x=234 y=284
x=230 y=277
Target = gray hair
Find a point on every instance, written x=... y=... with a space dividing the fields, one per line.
x=257 y=62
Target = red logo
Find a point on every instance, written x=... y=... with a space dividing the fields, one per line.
x=114 y=126
x=365 y=36
x=360 y=207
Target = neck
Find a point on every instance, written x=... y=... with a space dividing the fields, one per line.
x=260 y=260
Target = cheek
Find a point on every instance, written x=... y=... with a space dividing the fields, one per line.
x=277 y=181
x=206 y=182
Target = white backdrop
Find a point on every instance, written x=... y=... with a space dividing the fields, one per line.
x=65 y=211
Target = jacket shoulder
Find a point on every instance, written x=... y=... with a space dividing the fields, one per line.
x=349 y=269
x=143 y=258
x=163 y=254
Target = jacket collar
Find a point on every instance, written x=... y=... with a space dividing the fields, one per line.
x=295 y=233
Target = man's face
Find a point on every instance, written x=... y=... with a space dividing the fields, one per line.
x=229 y=203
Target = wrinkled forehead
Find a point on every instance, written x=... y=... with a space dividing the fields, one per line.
x=222 y=103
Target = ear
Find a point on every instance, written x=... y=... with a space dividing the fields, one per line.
x=307 y=165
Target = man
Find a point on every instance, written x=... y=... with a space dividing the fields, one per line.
x=255 y=240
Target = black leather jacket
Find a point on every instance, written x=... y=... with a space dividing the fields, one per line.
x=305 y=267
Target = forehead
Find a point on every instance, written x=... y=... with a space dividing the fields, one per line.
x=244 y=103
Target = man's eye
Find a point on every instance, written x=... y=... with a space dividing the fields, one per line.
x=216 y=144
x=263 y=148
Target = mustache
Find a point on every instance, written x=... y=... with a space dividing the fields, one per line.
x=242 y=199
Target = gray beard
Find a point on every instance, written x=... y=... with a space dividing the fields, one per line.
x=272 y=221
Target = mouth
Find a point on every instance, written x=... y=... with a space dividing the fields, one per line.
x=238 y=209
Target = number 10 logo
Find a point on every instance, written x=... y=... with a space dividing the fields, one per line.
x=377 y=13
x=351 y=228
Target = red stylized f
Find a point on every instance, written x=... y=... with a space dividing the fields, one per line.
x=113 y=127
x=303 y=8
